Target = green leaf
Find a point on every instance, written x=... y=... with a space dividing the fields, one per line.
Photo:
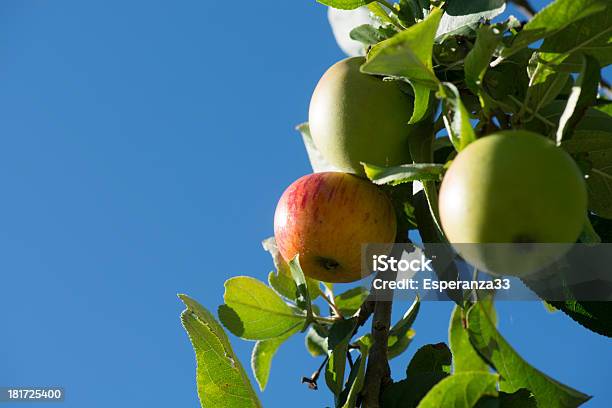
x=221 y=379
x=461 y=390
x=431 y=358
x=401 y=333
x=340 y=335
x=350 y=301
x=595 y=316
x=545 y=83
x=404 y=173
x=465 y=358
x=408 y=392
x=456 y=117
x=429 y=365
x=478 y=59
x=356 y=378
x=603 y=228
x=283 y=285
x=303 y=299
x=345 y=4
x=370 y=35
x=422 y=98
x=553 y=18
x=590 y=36
x=282 y=281
x=317 y=161
x=408 y=55
x=315 y=343
x=605 y=108
x=461 y=13
x=497 y=81
x=582 y=96
x=253 y=311
x=381 y=13
x=515 y=372
x=595 y=148
x=262 y=355
x=519 y=399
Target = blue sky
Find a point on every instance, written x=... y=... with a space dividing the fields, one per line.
x=144 y=146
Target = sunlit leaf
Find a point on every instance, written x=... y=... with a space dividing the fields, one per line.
x=262 y=355
x=345 y=4
x=553 y=18
x=461 y=390
x=515 y=372
x=221 y=379
x=253 y=311
x=408 y=55
x=404 y=173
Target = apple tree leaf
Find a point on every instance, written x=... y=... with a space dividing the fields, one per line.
x=465 y=358
x=303 y=299
x=461 y=390
x=461 y=13
x=478 y=59
x=408 y=55
x=605 y=108
x=282 y=281
x=381 y=13
x=430 y=358
x=408 y=392
x=317 y=161
x=404 y=173
x=350 y=301
x=262 y=355
x=595 y=316
x=401 y=333
x=553 y=18
x=456 y=117
x=583 y=94
x=590 y=36
x=368 y=35
x=356 y=379
x=316 y=344
x=429 y=365
x=340 y=334
x=593 y=150
x=345 y=4
x=515 y=372
x=519 y=399
x=221 y=379
x=546 y=82
x=253 y=311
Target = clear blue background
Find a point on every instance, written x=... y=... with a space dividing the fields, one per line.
x=143 y=147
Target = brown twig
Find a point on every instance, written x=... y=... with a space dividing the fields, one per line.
x=378 y=373
x=312 y=380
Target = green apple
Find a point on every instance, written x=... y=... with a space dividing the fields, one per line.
x=326 y=217
x=513 y=187
x=356 y=118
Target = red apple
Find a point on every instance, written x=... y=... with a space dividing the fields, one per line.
x=326 y=217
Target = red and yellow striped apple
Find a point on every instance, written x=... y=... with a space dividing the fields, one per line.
x=326 y=217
